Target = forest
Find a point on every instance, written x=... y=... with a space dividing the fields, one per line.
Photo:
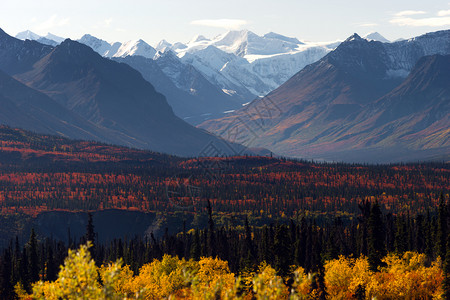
x=382 y=256
x=40 y=173
x=303 y=229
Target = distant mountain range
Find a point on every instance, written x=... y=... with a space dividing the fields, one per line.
x=238 y=65
x=355 y=104
x=72 y=91
x=360 y=100
x=48 y=39
x=227 y=71
x=192 y=96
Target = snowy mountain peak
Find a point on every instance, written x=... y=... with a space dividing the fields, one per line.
x=375 y=36
x=100 y=46
x=353 y=37
x=276 y=36
x=162 y=45
x=233 y=37
x=49 y=39
x=55 y=38
x=166 y=55
x=198 y=38
x=178 y=46
x=27 y=35
x=87 y=36
x=138 y=47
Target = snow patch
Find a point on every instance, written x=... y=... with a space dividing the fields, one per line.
x=397 y=73
x=229 y=92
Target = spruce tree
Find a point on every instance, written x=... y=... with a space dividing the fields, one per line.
x=442 y=232
x=51 y=268
x=90 y=234
x=211 y=238
x=24 y=276
x=248 y=257
x=33 y=266
x=400 y=235
x=195 y=248
x=446 y=283
x=6 y=288
x=282 y=259
x=375 y=240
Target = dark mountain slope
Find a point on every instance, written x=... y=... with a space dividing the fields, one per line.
x=114 y=96
x=26 y=108
x=195 y=101
x=17 y=56
x=327 y=109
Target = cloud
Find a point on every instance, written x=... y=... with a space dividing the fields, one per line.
x=404 y=18
x=443 y=13
x=51 y=23
x=221 y=23
x=409 y=13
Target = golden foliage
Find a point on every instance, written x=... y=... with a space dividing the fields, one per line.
x=410 y=276
x=78 y=279
x=403 y=277
x=267 y=285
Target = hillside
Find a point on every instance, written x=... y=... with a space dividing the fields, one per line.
x=108 y=101
x=324 y=111
x=44 y=173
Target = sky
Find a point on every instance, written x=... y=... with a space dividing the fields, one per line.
x=180 y=20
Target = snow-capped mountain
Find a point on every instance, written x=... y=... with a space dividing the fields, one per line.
x=134 y=48
x=245 y=42
x=211 y=62
x=100 y=46
x=364 y=99
x=375 y=36
x=241 y=64
x=403 y=55
x=55 y=38
x=130 y=48
x=246 y=65
x=27 y=35
x=49 y=39
x=162 y=46
x=255 y=63
x=192 y=96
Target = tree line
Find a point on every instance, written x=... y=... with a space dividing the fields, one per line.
x=301 y=242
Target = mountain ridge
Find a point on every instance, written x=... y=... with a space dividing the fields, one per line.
x=111 y=96
x=320 y=103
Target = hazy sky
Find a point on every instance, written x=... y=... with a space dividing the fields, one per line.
x=180 y=20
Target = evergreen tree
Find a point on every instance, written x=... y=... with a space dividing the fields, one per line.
x=195 y=248
x=282 y=259
x=33 y=266
x=446 y=283
x=6 y=288
x=400 y=235
x=365 y=209
x=248 y=257
x=51 y=270
x=24 y=275
x=376 y=237
x=211 y=238
x=427 y=224
x=441 y=238
x=90 y=234
x=419 y=234
x=16 y=261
